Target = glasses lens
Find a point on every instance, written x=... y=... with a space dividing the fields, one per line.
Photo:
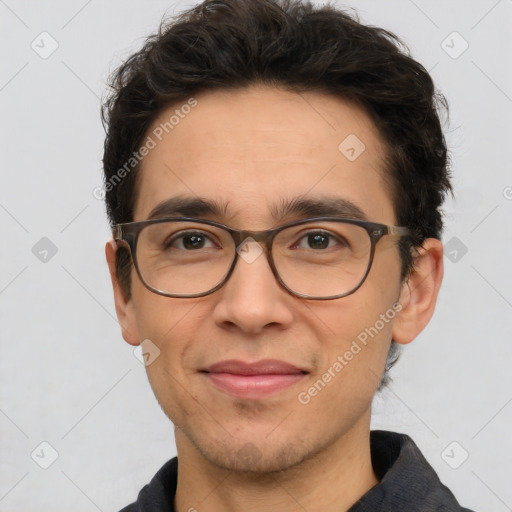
x=322 y=259
x=184 y=258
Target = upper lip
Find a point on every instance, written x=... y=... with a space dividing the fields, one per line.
x=263 y=367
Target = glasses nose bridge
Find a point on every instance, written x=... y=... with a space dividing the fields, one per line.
x=265 y=237
x=240 y=235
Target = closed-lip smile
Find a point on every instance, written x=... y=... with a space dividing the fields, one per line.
x=253 y=380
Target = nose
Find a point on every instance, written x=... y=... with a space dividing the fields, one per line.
x=252 y=300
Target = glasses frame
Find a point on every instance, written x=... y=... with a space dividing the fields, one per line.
x=127 y=235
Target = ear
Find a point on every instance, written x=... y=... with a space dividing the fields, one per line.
x=124 y=306
x=419 y=292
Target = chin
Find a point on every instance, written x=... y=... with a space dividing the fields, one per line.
x=256 y=456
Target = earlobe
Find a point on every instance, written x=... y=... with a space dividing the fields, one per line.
x=419 y=292
x=124 y=306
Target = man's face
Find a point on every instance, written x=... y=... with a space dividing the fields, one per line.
x=251 y=151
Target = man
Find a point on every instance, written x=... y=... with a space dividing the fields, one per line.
x=274 y=173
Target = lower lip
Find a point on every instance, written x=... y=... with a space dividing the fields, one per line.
x=253 y=386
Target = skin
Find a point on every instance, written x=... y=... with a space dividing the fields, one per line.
x=247 y=150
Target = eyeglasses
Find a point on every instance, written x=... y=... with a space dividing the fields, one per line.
x=319 y=258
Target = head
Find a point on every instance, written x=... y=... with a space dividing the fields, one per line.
x=246 y=105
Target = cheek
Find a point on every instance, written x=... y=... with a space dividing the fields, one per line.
x=362 y=335
x=166 y=322
x=173 y=326
x=170 y=325
x=372 y=308
x=357 y=331
x=157 y=316
x=351 y=371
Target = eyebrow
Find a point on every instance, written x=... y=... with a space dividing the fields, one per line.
x=324 y=206
x=187 y=207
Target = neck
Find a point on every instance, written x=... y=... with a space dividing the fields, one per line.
x=332 y=480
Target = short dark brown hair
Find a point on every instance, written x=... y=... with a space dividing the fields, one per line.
x=292 y=44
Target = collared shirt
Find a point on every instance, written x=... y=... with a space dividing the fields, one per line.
x=407 y=483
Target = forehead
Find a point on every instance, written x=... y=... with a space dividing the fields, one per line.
x=252 y=150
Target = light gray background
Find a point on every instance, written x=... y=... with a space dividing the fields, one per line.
x=66 y=375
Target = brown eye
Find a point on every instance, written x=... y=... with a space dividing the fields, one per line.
x=190 y=241
x=320 y=240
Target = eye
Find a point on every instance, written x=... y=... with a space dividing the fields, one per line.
x=319 y=240
x=190 y=241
